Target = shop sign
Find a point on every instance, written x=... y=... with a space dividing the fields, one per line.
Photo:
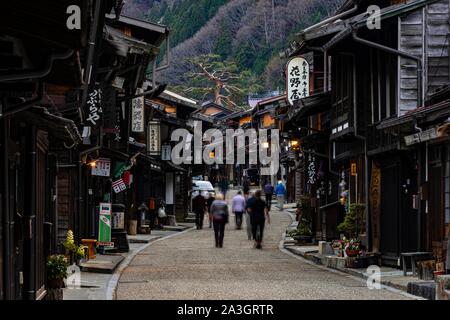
x=154 y=137
x=375 y=198
x=311 y=170
x=119 y=186
x=102 y=168
x=137 y=113
x=166 y=152
x=423 y=136
x=104 y=225
x=297 y=82
x=118 y=220
x=353 y=169
x=94 y=107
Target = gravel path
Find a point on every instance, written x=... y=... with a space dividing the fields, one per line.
x=189 y=266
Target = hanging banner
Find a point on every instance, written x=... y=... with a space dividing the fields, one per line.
x=166 y=152
x=297 y=82
x=137 y=113
x=102 y=168
x=154 y=138
x=119 y=186
x=94 y=107
x=375 y=198
x=104 y=225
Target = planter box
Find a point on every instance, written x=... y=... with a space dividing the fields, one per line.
x=356 y=262
x=362 y=262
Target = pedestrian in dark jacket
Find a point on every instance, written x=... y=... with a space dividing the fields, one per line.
x=268 y=191
x=219 y=209
x=199 y=207
x=209 y=202
x=258 y=215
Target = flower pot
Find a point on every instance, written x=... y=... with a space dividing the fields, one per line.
x=55 y=283
x=337 y=251
x=352 y=253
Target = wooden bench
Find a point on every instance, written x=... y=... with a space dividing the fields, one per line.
x=413 y=256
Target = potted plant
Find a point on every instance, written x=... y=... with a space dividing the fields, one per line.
x=354 y=221
x=352 y=248
x=57 y=265
x=304 y=215
x=338 y=247
x=73 y=252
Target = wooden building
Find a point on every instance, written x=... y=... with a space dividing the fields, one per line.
x=372 y=77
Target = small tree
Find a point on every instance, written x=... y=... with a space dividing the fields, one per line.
x=354 y=221
x=305 y=221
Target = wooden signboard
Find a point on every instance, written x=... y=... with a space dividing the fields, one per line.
x=375 y=198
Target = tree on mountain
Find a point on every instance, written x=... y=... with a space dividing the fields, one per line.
x=220 y=80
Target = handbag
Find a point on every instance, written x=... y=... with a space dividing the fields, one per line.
x=161 y=213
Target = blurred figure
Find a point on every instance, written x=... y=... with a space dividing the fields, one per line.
x=199 y=207
x=219 y=209
x=238 y=208
x=258 y=214
x=209 y=202
x=280 y=191
x=246 y=188
x=248 y=223
x=224 y=186
x=268 y=191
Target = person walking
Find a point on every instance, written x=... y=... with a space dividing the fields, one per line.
x=224 y=186
x=238 y=208
x=268 y=191
x=219 y=209
x=199 y=207
x=248 y=222
x=280 y=191
x=246 y=188
x=258 y=215
x=209 y=202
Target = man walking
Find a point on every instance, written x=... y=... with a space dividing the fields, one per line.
x=199 y=207
x=238 y=208
x=268 y=191
x=259 y=214
x=248 y=222
x=209 y=202
x=280 y=191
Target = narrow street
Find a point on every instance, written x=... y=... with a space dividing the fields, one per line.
x=188 y=266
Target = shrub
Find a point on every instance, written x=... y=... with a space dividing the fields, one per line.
x=354 y=221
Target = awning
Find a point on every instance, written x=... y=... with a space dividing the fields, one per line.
x=171 y=167
x=438 y=112
x=125 y=44
x=309 y=106
x=59 y=127
x=154 y=164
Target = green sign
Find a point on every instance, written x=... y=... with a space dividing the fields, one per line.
x=104 y=225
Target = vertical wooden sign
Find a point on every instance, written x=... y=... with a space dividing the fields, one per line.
x=375 y=198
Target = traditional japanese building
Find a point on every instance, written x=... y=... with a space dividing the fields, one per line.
x=372 y=76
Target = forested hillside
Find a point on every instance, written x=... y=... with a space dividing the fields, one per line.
x=249 y=33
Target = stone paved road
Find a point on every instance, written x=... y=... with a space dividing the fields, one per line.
x=189 y=266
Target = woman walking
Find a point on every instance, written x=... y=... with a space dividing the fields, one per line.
x=219 y=210
x=258 y=215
